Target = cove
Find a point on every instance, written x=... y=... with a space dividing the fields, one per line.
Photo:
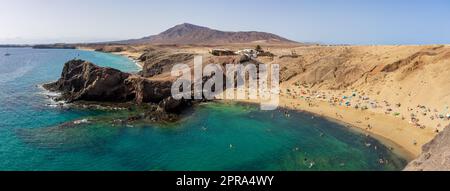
x=211 y=136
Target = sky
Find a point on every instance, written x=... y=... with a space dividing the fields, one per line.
x=321 y=21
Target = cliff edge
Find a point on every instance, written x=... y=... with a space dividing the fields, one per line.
x=435 y=154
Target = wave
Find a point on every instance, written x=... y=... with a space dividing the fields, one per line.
x=51 y=97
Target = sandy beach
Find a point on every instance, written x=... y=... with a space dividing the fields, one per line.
x=387 y=129
x=400 y=136
x=131 y=55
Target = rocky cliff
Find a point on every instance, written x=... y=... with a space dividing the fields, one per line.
x=85 y=82
x=81 y=80
x=159 y=61
x=435 y=154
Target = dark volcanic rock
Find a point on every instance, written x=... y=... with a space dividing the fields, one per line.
x=81 y=80
x=84 y=81
x=172 y=105
x=222 y=52
x=158 y=62
x=146 y=90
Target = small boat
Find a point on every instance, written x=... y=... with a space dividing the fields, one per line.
x=7 y=54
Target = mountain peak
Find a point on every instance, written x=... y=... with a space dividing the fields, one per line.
x=182 y=29
x=187 y=33
x=189 y=25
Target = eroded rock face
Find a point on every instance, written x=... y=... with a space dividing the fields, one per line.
x=81 y=80
x=173 y=105
x=84 y=81
x=146 y=90
x=157 y=62
x=435 y=154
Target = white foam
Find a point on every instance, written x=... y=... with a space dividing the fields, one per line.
x=81 y=121
x=137 y=64
x=51 y=97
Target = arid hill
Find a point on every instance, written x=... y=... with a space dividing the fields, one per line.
x=192 y=34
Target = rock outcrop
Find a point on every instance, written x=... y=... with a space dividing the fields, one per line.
x=110 y=49
x=83 y=81
x=435 y=154
x=157 y=62
x=222 y=52
x=148 y=91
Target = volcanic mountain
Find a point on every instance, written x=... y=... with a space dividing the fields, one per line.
x=192 y=34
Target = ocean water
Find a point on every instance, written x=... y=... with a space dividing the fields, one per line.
x=212 y=136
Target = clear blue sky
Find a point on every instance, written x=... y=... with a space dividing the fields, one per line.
x=326 y=21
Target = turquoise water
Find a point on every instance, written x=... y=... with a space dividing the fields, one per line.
x=212 y=136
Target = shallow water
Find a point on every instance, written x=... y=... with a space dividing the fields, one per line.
x=212 y=136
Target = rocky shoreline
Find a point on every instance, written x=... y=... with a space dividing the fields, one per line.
x=435 y=154
x=86 y=85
